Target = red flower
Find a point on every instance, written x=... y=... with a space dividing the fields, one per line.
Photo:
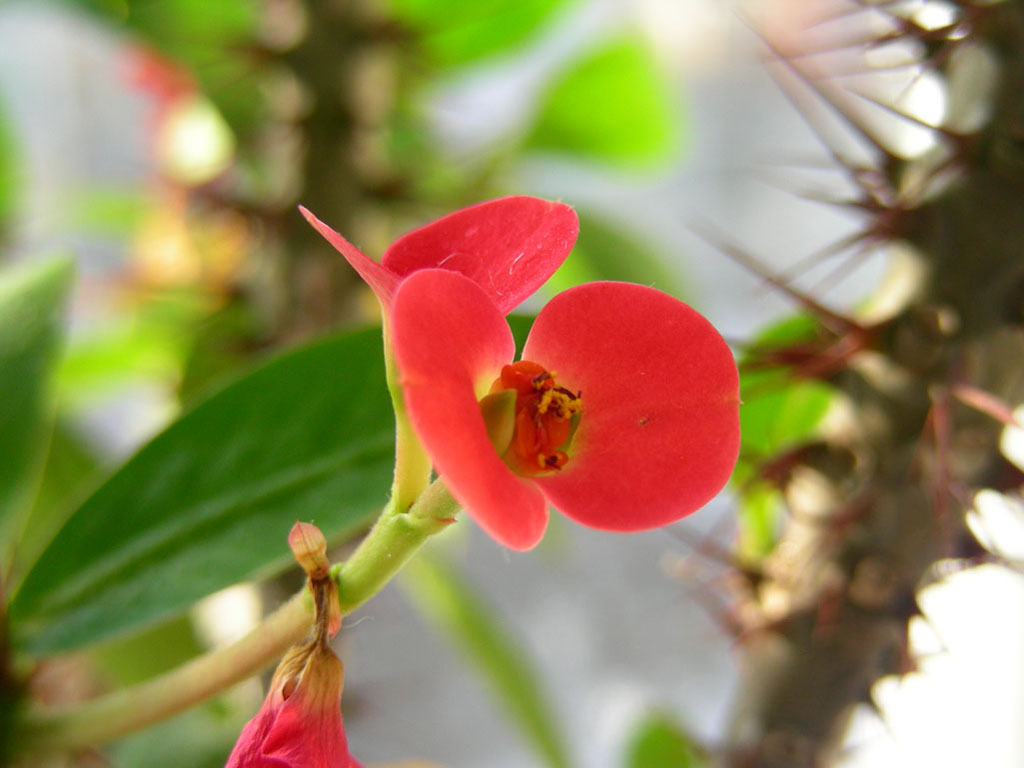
x=299 y=724
x=509 y=246
x=623 y=413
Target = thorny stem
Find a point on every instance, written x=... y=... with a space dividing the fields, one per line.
x=393 y=540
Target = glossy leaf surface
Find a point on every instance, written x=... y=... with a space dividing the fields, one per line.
x=210 y=501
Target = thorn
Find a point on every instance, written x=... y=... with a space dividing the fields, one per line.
x=953 y=136
x=833 y=100
x=812 y=195
x=803 y=162
x=844 y=269
x=826 y=253
x=868 y=70
x=836 y=322
x=862 y=8
x=870 y=38
x=987 y=403
x=801 y=104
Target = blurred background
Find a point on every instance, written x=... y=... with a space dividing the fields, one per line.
x=165 y=145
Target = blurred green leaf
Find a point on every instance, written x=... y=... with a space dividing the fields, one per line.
x=199 y=738
x=612 y=105
x=224 y=342
x=32 y=299
x=604 y=252
x=209 y=502
x=778 y=408
x=169 y=644
x=211 y=42
x=115 y=9
x=658 y=742
x=150 y=341
x=760 y=517
x=111 y=212
x=69 y=472
x=444 y=598
x=10 y=174
x=455 y=32
x=779 y=411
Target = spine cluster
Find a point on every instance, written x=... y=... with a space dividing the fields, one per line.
x=877 y=501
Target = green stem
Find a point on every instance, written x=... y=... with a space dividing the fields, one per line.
x=412 y=465
x=130 y=709
x=393 y=540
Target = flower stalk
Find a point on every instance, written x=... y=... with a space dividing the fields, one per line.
x=395 y=538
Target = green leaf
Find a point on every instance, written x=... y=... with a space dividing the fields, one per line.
x=456 y=32
x=32 y=299
x=603 y=252
x=70 y=471
x=198 y=738
x=779 y=411
x=778 y=408
x=658 y=742
x=111 y=212
x=612 y=106
x=444 y=598
x=11 y=174
x=520 y=325
x=152 y=342
x=761 y=513
x=210 y=501
x=160 y=648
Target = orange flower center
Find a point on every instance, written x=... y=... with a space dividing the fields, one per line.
x=544 y=416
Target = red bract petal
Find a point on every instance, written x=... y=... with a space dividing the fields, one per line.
x=659 y=431
x=450 y=342
x=509 y=247
x=299 y=724
x=382 y=281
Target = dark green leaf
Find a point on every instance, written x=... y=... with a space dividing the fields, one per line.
x=444 y=597
x=32 y=301
x=454 y=32
x=659 y=743
x=603 y=252
x=612 y=105
x=210 y=501
x=520 y=325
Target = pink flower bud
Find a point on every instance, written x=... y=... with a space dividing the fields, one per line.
x=299 y=724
